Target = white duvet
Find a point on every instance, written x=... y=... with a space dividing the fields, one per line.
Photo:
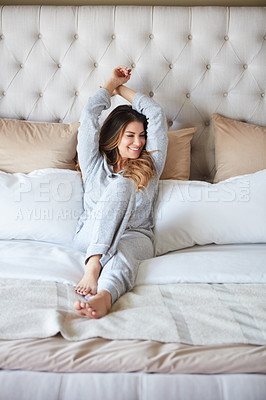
x=25 y=259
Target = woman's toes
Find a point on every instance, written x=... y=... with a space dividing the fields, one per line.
x=82 y=291
x=89 y=311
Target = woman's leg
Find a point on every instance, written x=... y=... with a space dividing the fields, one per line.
x=119 y=274
x=104 y=228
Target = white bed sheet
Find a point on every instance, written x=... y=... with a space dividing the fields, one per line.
x=24 y=259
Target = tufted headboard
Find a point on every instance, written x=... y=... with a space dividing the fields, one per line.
x=193 y=61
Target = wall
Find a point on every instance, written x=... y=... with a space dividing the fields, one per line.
x=141 y=2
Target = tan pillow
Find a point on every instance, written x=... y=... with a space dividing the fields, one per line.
x=240 y=148
x=177 y=165
x=26 y=146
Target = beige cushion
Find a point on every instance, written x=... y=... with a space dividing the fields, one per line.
x=240 y=148
x=27 y=146
x=177 y=165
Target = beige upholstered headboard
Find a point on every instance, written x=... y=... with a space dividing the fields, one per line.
x=193 y=61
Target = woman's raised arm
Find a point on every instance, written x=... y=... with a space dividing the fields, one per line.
x=127 y=93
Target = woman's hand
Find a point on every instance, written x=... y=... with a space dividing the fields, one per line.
x=119 y=76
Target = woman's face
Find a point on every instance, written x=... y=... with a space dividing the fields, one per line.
x=132 y=141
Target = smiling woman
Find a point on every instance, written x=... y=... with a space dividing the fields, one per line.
x=125 y=157
x=122 y=139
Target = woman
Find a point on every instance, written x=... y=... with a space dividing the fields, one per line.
x=120 y=165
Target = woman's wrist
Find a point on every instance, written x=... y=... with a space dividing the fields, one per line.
x=119 y=76
x=95 y=256
x=111 y=85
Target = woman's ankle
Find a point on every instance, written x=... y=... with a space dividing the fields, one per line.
x=94 y=261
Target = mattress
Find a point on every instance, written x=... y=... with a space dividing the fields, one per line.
x=25 y=385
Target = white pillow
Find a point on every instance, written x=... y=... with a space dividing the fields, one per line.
x=195 y=212
x=42 y=205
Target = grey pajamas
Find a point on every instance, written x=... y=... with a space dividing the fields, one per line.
x=117 y=221
x=119 y=273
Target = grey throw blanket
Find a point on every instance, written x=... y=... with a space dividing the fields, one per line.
x=196 y=314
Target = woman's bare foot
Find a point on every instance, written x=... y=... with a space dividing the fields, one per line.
x=88 y=284
x=97 y=307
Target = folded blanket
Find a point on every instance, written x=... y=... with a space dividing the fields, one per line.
x=196 y=314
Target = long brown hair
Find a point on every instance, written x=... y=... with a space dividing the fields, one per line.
x=139 y=170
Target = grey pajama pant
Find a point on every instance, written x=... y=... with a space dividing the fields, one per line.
x=109 y=230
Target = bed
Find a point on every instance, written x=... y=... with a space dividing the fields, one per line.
x=194 y=326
